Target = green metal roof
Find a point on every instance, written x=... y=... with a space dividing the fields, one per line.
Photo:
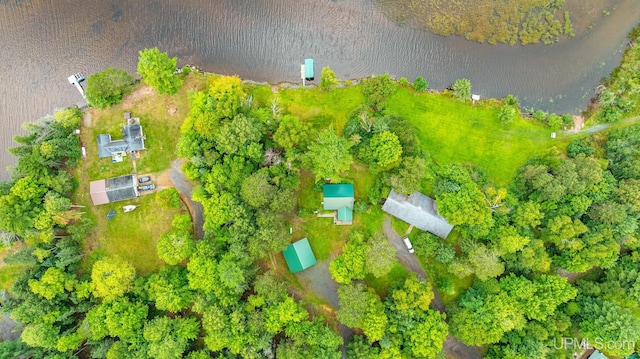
x=338 y=190
x=308 y=68
x=299 y=256
x=337 y=196
x=597 y=355
x=345 y=214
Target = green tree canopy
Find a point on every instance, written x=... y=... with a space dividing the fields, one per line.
x=112 y=278
x=158 y=71
x=107 y=88
x=462 y=89
x=329 y=155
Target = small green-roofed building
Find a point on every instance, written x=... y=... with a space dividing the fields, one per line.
x=597 y=355
x=299 y=256
x=339 y=198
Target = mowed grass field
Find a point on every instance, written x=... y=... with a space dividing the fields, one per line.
x=458 y=132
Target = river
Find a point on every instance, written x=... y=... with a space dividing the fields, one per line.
x=45 y=41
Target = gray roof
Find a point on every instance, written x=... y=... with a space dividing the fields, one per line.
x=113 y=189
x=132 y=140
x=121 y=188
x=418 y=210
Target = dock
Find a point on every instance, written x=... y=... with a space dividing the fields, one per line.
x=75 y=80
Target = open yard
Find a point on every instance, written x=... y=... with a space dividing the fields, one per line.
x=453 y=131
x=133 y=236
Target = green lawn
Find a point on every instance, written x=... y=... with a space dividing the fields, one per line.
x=453 y=131
x=322 y=108
x=133 y=236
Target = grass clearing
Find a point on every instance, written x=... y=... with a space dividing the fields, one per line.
x=453 y=131
x=322 y=108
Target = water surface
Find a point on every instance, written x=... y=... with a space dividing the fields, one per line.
x=44 y=41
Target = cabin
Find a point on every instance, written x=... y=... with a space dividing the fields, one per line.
x=113 y=189
x=339 y=198
x=299 y=256
x=418 y=210
x=132 y=140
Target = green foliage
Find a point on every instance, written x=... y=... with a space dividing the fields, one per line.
x=169 y=338
x=182 y=222
x=328 y=80
x=385 y=149
x=609 y=323
x=462 y=89
x=377 y=89
x=507 y=114
x=107 y=88
x=292 y=134
x=359 y=348
x=170 y=289
x=579 y=146
x=112 y=278
x=420 y=84
x=52 y=283
x=329 y=155
x=168 y=198
x=257 y=190
x=361 y=308
x=158 y=71
x=40 y=335
x=403 y=81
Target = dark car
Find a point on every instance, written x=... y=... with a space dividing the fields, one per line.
x=144 y=179
x=147 y=187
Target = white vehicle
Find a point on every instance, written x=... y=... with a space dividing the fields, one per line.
x=407 y=243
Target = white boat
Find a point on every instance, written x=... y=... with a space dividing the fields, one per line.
x=129 y=208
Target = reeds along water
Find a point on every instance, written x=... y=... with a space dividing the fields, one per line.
x=45 y=41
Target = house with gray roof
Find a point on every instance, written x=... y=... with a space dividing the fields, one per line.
x=113 y=189
x=419 y=210
x=132 y=140
x=339 y=198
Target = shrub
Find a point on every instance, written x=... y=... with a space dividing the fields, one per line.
x=403 y=81
x=462 y=89
x=579 y=146
x=182 y=222
x=360 y=207
x=506 y=114
x=420 y=84
x=444 y=252
x=168 y=198
x=107 y=88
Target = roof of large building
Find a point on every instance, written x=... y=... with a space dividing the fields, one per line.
x=113 y=189
x=418 y=210
x=337 y=196
x=299 y=255
x=132 y=140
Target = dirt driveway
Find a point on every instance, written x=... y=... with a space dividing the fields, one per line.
x=452 y=347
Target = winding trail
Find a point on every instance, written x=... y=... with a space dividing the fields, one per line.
x=452 y=347
x=184 y=186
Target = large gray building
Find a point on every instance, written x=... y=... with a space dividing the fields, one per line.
x=418 y=210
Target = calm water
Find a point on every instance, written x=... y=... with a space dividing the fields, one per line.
x=44 y=41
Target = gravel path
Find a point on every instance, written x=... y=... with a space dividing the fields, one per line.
x=319 y=280
x=452 y=347
x=184 y=186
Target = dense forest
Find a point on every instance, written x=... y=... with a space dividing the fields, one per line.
x=549 y=253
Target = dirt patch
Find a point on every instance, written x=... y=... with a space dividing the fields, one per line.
x=578 y=124
x=172 y=110
x=140 y=92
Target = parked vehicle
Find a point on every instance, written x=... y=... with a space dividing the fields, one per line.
x=147 y=187
x=407 y=243
x=144 y=179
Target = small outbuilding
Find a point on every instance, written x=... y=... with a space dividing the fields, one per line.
x=418 y=210
x=299 y=256
x=339 y=198
x=308 y=69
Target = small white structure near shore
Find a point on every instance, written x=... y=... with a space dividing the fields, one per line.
x=75 y=80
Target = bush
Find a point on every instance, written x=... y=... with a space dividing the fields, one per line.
x=360 y=207
x=403 y=81
x=168 y=198
x=506 y=114
x=446 y=285
x=462 y=89
x=579 y=146
x=420 y=84
x=182 y=222
x=107 y=88
x=444 y=252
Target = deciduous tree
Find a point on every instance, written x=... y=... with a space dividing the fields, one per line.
x=158 y=71
x=107 y=87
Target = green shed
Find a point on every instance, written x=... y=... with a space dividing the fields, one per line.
x=299 y=256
